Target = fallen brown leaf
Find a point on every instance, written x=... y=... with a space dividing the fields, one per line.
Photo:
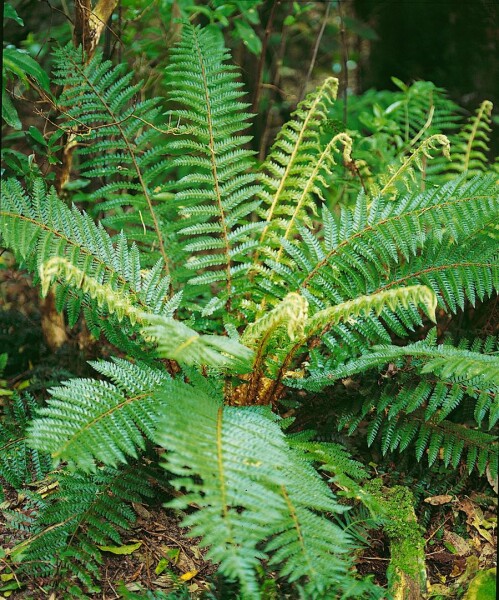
x=438 y=500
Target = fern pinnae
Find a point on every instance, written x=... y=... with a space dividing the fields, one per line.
x=477 y=134
x=87 y=74
x=217 y=195
x=317 y=174
x=88 y=436
x=105 y=296
x=424 y=213
x=376 y=302
x=289 y=528
x=290 y=312
x=181 y=343
x=294 y=140
x=470 y=145
x=85 y=511
x=454 y=271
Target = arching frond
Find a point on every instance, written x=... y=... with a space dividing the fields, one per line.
x=253 y=506
x=291 y=313
x=119 y=140
x=88 y=419
x=432 y=382
x=297 y=165
x=65 y=246
x=405 y=172
x=363 y=305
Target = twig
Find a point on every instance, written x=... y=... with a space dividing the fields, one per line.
x=261 y=62
x=314 y=54
x=274 y=86
x=344 y=60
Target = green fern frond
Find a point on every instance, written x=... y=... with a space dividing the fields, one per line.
x=421 y=108
x=68 y=248
x=87 y=510
x=184 y=345
x=335 y=459
x=310 y=187
x=365 y=250
x=397 y=122
x=405 y=173
x=104 y=295
x=291 y=312
x=470 y=146
x=118 y=141
x=472 y=369
x=88 y=419
x=466 y=365
x=455 y=272
x=435 y=436
x=432 y=382
x=20 y=464
x=218 y=193
x=363 y=305
x=375 y=236
x=252 y=506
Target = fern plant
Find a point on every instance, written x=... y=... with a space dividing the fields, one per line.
x=251 y=289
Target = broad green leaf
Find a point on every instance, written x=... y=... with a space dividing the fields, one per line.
x=37 y=135
x=248 y=37
x=22 y=64
x=9 y=12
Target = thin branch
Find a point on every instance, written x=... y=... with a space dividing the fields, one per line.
x=261 y=62
x=344 y=60
x=314 y=54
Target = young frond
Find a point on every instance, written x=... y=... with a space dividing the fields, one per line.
x=297 y=166
x=422 y=108
x=291 y=312
x=363 y=305
x=405 y=172
x=470 y=146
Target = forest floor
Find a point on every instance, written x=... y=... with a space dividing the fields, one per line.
x=156 y=553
